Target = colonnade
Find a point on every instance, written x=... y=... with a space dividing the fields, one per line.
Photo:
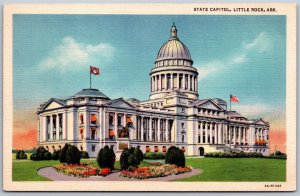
x=166 y=81
x=210 y=132
x=54 y=127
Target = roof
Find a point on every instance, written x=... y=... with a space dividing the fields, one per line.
x=90 y=92
x=234 y=114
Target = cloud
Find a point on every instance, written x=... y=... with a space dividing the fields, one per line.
x=253 y=110
x=70 y=55
x=260 y=42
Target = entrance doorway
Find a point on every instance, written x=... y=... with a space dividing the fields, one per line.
x=201 y=151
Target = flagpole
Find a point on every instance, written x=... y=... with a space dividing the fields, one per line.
x=230 y=102
x=90 y=79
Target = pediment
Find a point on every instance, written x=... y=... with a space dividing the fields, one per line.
x=120 y=103
x=52 y=104
x=209 y=105
x=261 y=122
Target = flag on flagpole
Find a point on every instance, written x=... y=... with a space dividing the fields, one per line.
x=94 y=70
x=234 y=99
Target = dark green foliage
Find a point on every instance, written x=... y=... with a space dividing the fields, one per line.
x=154 y=155
x=175 y=156
x=55 y=154
x=63 y=154
x=21 y=154
x=40 y=154
x=139 y=154
x=85 y=155
x=233 y=154
x=132 y=160
x=47 y=156
x=106 y=158
x=124 y=159
x=73 y=155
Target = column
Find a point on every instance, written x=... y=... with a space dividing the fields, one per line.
x=189 y=82
x=196 y=84
x=244 y=129
x=234 y=135
x=124 y=120
x=178 y=81
x=219 y=133
x=51 y=127
x=150 y=129
x=172 y=85
x=183 y=81
x=193 y=83
x=116 y=125
x=167 y=130
x=159 y=82
x=166 y=81
x=57 y=127
x=201 y=132
x=240 y=135
x=211 y=133
x=64 y=125
x=206 y=132
x=44 y=130
x=159 y=130
x=215 y=132
x=142 y=128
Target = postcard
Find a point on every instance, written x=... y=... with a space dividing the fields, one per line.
x=149 y=97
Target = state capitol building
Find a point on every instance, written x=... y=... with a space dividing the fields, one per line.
x=173 y=115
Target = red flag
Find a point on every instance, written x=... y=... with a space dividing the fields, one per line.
x=234 y=99
x=94 y=70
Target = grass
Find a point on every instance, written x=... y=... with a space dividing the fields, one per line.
x=214 y=169
x=26 y=170
x=238 y=169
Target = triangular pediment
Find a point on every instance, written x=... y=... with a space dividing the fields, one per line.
x=53 y=104
x=120 y=103
x=209 y=105
x=261 y=122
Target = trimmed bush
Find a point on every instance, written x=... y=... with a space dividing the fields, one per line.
x=73 y=155
x=40 y=154
x=21 y=154
x=63 y=153
x=154 y=155
x=84 y=155
x=233 y=154
x=175 y=156
x=106 y=158
x=139 y=155
x=124 y=159
x=55 y=154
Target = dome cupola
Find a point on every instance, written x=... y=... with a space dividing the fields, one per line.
x=173 y=69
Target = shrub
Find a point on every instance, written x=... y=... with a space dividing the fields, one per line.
x=106 y=158
x=84 y=155
x=63 y=153
x=55 y=154
x=233 y=154
x=130 y=158
x=21 y=154
x=40 y=154
x=47 y=156
x=154 y=155
x=124 y=159
x=139 y=154
x=73 y=155
x=175 y=156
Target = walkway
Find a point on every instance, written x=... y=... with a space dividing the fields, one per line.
x=52 y=174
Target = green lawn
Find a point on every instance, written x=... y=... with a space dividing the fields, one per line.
x=238 y=169
x=26 y=170
x=214 y=169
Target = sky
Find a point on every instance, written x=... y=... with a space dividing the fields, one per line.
x=239 y=55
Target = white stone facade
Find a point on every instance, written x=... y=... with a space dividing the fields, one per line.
x=172 y=116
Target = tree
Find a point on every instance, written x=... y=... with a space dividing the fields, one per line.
x=106 y=158
x=130 y=158
x=175 y=156
x=55 y=154
x=21 y=154
x=63 y=153
x=124 y=159
x=73 y=155
x=139 y=154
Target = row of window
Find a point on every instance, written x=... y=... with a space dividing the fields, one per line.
x=165 y=82
x=93 y=119
x=209 y=112
x=163 y=149
x=173 y=62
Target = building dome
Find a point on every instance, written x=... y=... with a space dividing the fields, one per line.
x=173 y=70
x=174 y=49
x=90 y=92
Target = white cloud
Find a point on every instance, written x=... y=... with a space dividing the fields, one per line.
x=239 y=59
x=260 y=42
x=70 y=55
x=252 y=110
x=209 y=68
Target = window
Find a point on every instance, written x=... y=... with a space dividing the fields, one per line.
x=182 y=138
x=156 y=149
x=93 y=134
x=148 y=149
x=164 y=149
x=54 y=127
x=93 y=118
x=81 y=133
x=182 y=125
x=48 y=127
x=60 y=127
x=93 y=148
x=81 y=119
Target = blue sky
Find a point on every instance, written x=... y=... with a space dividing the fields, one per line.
x=241 y=55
